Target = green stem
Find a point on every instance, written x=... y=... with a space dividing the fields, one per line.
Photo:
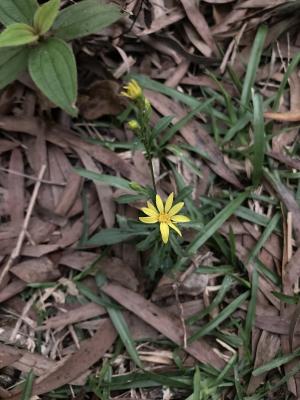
x=152 y=171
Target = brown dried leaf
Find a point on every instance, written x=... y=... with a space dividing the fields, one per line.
x=101 y=98
x=36 y=270
x=91 y=350
x=81 y=313
x=163 y=322
x=291 y=116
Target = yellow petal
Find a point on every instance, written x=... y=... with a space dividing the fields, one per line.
x=164 y=230
x=169 y=202
x=125 y=94
x=151 y=206
x=175 y=209
x=159 y=204
x=175 y=228
x=150 y=212
x=180 y=218
x=148 y=220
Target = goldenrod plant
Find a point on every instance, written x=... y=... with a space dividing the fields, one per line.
x=35 y=38
x=155 y=229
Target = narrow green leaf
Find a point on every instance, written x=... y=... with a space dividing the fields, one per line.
x=52 y=67
x=45 y=16
x=224 y=314
x=197 y=385
x=111 y=236
x=114 y=181
x=161 y=125
x=86 y=292
x=251 y=311
x=13 y=61
x=216 y=223
x=83 y=18
x=264 y=237
x=12 y=11
x=183 y=121
x=276 y=362
x=17 y=34
x=259 y=145
x=26 y=392
x=225 y=287
x=253 y=64
x=295 y=61
x=121 y=327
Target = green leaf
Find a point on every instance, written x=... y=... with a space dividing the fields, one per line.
x=121 y=327
x=17 y=34
x=216 y=223
x=45 y=16
x=13 y=61
x=224 y=314
x=27 y=390
x=52 y=67
x=111 y=236
x=114 y=181
x=84 y=18
x=17 y=11
x=196 y=385
x=253 y=63
x=183 y=121
x=276 y=362
x=259 y=138
x=293 y=64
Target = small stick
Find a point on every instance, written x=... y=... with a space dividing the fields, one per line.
x=16 y=251
x=181 y=314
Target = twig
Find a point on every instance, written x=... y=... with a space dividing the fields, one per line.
x=181 y=314
x=16 y=251
x=33 y=178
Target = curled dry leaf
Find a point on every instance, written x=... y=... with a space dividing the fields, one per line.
x=101 y=98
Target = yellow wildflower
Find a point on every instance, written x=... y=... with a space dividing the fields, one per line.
x=132 y=90
x=165 y=215
x=134 y=125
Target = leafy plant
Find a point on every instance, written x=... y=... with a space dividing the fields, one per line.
x=34 y=38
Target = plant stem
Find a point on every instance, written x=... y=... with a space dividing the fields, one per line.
x=152 y=171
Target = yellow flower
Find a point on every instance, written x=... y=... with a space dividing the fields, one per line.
x=165 y=215
x=132 y=90
x=134 y=125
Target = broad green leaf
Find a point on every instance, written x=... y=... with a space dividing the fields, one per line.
x=259 y=145
x=17 y=34
x=52 y=67
x=253 y=63
x=17 y=11
x=82 y=19
x=45 y=16
x=13 y=61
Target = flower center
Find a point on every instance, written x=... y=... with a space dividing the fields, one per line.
x=165 y=218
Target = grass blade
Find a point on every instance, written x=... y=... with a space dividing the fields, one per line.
x=26 y=392
x=114 y=181
x=259 y=138
x=276 y=363
x=216 y=222
x=224 y=314
x=253 y=64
